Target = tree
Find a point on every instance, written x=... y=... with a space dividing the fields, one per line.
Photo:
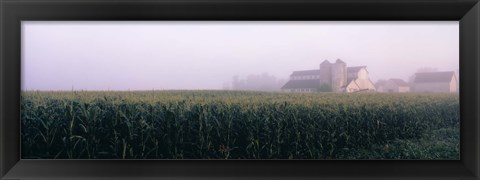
x=237 y=84
x=257 y=82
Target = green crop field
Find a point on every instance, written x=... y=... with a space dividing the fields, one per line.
x=238 y=125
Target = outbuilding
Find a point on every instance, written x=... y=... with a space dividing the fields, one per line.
x=396 y=85
x=435 y=82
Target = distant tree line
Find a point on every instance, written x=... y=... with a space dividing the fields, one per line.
x=257 y=82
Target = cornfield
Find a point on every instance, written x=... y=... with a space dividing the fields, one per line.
x=238 y=125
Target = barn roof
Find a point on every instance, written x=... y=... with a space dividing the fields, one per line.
x=296 y=84
x=355 y=69
x=349 y=81
x=306 y=72
x=434 y=77
x=399 y=82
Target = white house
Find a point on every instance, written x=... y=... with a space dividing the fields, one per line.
x=358 y=80
x=435 y=82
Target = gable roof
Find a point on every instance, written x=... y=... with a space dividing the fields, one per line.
x=433 y=77
x=399 y=82
x=355 y=69
x=354 y=81
x=306 y=72
x=296 y=84
x=351 y=81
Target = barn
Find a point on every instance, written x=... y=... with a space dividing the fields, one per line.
x=304 y=85
x=435 y=82
x=335 y=77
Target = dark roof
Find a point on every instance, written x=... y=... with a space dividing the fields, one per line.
x=434 y=77
x=355 y=69
x=350 y=79
x=296 y=84
x=399 y=82
x=306 y=72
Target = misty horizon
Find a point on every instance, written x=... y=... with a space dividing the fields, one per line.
x=209 y=55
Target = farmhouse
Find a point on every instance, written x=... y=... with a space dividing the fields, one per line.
x=435 y=82
x=335 y=77
x=393 y=85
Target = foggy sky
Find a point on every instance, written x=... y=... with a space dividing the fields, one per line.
x=206 y=55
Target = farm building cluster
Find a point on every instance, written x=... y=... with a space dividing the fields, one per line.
x=337 y=77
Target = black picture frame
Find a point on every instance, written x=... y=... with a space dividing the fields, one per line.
x=12 y=12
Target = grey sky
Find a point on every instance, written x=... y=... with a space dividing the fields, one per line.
x=205 y=55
